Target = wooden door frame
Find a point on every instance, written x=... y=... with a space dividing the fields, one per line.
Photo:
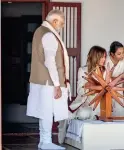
x=44 y=13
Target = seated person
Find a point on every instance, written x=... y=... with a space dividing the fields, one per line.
x=96 y=56
x=116 y=59
x=80 y=107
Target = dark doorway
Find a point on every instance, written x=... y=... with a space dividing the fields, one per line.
x=19 y=21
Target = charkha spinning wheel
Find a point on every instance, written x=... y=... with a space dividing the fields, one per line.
x=109 y=89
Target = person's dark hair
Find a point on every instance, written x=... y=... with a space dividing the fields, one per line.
x=94 y=56
x=114 y=46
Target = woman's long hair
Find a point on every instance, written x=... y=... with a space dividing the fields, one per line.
x=94 y=55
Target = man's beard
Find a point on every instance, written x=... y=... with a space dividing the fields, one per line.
x=58 y=29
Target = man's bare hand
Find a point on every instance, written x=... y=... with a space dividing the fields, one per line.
x=57 y=92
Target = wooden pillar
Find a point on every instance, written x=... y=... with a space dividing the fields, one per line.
x=106 y=106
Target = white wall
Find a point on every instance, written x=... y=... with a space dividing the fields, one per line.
x=102 y=23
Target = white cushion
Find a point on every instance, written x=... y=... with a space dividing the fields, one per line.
x=84 y=113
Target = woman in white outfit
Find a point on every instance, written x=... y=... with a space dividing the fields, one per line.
x=116 y=58
x=96 y=56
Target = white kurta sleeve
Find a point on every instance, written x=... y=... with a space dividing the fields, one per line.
x=50 y=45
x=123 y=65
x=81 y=82
x=80 y=91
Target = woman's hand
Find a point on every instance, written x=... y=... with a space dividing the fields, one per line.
x=93 y=87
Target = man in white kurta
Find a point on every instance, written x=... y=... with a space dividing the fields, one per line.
x=49 y=72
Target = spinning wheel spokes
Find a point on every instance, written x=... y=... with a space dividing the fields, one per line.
x=108 y=86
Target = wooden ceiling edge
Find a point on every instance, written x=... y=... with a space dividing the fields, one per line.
x=44 y=1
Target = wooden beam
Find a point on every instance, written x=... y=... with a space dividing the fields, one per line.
x=44 y=10
x=44 y=1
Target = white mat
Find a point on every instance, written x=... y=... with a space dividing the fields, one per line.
x=97 y=135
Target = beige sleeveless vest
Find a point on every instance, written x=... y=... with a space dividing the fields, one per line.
x=39 y=73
